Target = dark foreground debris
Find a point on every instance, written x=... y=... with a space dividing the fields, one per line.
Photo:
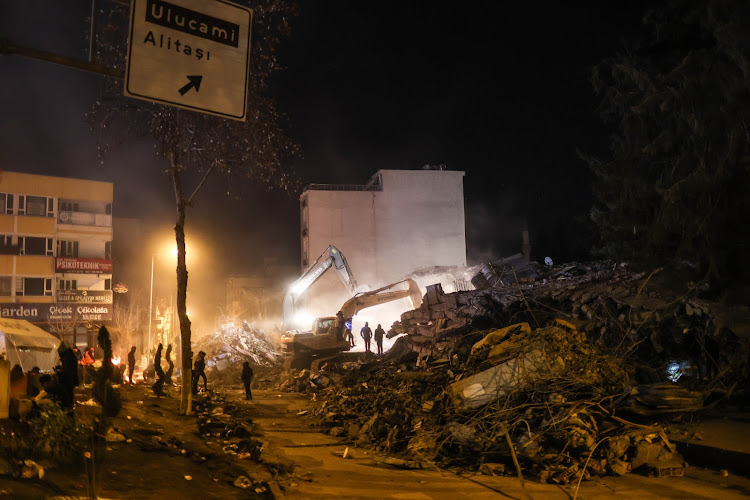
x=562 y=378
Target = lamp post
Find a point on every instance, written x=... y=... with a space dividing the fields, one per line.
x=150 y=306
x=151 y=301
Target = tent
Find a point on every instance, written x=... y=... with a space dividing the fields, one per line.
x=27 y=345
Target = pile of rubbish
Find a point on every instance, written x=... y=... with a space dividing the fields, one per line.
x=231 y=345
x=574 y=395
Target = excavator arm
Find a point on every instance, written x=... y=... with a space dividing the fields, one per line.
x=382 y=295
x=331 y=257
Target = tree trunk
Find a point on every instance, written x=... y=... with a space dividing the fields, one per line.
x=186 y=400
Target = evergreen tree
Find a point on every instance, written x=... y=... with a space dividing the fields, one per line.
x=677 y=184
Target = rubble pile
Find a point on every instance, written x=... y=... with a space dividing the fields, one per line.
x=625 y=312
x=231 y=345
x=594 y=354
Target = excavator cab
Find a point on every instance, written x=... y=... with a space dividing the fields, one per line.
x=323 y=325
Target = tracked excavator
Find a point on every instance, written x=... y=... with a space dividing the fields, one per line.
x=330 y=258
x=311 y=349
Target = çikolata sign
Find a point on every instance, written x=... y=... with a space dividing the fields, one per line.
x=57 y=311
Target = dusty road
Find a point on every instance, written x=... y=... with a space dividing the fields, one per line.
x=163 y=455
x=317 y=457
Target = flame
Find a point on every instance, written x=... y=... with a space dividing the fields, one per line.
x=115 y=360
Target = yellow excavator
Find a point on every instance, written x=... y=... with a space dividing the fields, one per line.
x=310 y=349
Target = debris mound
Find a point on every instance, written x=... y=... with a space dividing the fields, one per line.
x=234 y=343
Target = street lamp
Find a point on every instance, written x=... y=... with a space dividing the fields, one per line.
x=151 y=300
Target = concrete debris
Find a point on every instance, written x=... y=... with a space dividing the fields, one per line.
x=570 y=366
x=234 y=343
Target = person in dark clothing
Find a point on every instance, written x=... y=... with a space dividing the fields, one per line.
x=33 y=386
x=198 y=372
x=379 y=333
x=349 y=334
x=366 y=334
x=168 y=376
x=158 y=386
x=68 y=375
x=247 y=378
x=131 y=364
x=54 y=389
x=338 y=324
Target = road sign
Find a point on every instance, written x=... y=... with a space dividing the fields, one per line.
x=194 y=54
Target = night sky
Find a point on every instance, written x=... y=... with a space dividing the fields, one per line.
x=499 y=90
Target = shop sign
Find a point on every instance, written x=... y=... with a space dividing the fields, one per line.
x=57 y=311
x=85 y=266
x=85 y=296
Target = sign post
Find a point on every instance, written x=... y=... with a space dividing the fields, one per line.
x=193 y=54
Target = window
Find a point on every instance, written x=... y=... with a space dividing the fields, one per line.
x=108 y=284
x=68 y=206
x=34 y=286
x=67 y=248
x=67 y=284
x=108 y=250
x=6 y=203
x=34 y=246
x=9 y=245
x=36 y=205
x=6 y=286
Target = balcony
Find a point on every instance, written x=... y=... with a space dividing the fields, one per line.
x=84 y=219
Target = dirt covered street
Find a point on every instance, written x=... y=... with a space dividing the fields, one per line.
x=272 y=447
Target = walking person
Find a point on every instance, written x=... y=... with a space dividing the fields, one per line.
x=131 y=364
x=168 y=376
x=247 y=379
x=379 y=333
x=366 y=334
x=158 y=386
x=199 y=371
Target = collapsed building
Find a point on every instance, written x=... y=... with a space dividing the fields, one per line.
x=562 y=373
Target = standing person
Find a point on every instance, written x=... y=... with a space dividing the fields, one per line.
x=87 y=365
x=198 y=371
x=168 y=376
x=366 y=334
x=158 y=386
x=247 y=378
x=68 y=375
x=379 y=332
x=349 y=334
x=131 y=364
x=338 y=324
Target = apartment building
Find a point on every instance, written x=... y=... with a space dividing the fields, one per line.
x=55 y=252
x=399 y=222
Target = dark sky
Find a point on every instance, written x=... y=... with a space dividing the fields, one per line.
x=497 y=89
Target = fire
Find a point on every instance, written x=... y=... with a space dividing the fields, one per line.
x=115 y=360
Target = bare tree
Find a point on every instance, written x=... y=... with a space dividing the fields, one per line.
x=196 y=145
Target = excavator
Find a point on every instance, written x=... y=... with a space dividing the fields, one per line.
x=310 y=349
x=331 y=257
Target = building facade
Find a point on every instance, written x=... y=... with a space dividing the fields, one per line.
x=55 y=253
x=399 y=222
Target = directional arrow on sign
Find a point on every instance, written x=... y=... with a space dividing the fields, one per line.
x=195 y=81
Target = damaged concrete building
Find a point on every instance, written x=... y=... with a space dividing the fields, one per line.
x=399 y=222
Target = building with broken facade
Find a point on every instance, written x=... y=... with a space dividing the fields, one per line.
x=399 y=222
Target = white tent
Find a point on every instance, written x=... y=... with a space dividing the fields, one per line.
x=27 y=345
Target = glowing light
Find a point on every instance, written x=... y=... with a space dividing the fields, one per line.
x=303 y=319
x=115 y=360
